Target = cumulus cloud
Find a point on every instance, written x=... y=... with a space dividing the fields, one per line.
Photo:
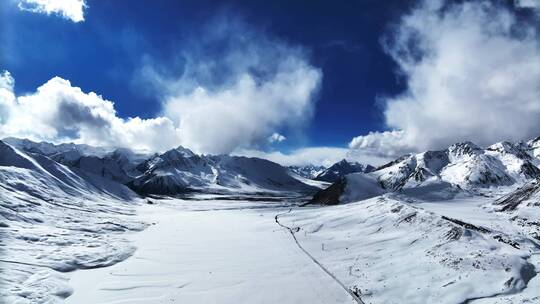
x=60 y=112
x=473 y=73
x=230 y=88
x=237 y=87
x=68 y=9
x=384 y=144
x=276 y=137
x=534 y=4
x=7 y=97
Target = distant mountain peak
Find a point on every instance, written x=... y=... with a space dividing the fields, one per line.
x=308 y=171
x=461 y=167
x=342 y=168
x=464 y=148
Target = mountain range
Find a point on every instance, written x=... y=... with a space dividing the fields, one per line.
x=469 y=212
x=461 y=168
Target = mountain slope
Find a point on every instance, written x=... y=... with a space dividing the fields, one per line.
x=462 y=167
x=55 y=219
x=180 y=170
x=342 y=168
x=176 y=171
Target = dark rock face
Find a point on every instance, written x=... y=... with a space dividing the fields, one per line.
x=342 y=168
x=159 y=185
x=394 y=162
x=512 y=200
x=330 y=195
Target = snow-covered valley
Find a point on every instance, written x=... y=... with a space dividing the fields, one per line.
x=217 y=252
x=454 y=226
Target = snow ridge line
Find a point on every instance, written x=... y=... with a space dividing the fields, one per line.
x=350 y=292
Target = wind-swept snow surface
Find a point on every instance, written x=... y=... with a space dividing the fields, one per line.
x=54 y=220
x=194 y=254
x=461 y=225
x=393 y=249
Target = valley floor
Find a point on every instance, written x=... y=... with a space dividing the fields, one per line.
x=388 y=249
x=210 y=252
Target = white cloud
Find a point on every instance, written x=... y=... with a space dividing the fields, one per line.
x=244 y=114
x=384 y=144
x=7 y=97
x=473 y=73
x=238 y=96
x=68 y=9
x=305 y=156
x=235 y=99
x=59 y=112
x=325 y=156
x=535 y=4
x=276 y=137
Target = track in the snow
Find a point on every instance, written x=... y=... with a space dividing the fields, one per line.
x=350 y=292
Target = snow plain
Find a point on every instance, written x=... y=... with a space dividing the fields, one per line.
x=210 y=252
x=395 y=249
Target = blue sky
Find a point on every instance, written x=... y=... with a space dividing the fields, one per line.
x=150 y=57
x=103 y=53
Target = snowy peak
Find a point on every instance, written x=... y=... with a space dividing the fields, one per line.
x=180 y=170
x=509 y=148
x=181 y=159
x=462 y=166
x=533 y=147
x=342 y=168
x=179 y=152
x=175 y=171
x=463 y=149
x=118 y=165
x=44 y=177
x=308 y=171
x=49 y=149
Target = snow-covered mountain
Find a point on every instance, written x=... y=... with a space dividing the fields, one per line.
x=461 y=167
x=174 y=172
x=522 y=206
x=463 y=221
x=308 y=171
x=49 y=149
x=342 y=168
x=180 y=170
x=69 y=219
x=119 y=165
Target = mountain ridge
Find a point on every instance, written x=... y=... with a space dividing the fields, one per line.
x=461 y=167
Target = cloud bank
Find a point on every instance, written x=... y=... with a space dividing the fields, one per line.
x=69 y=9
x=237 y=87
x=60 y=112
x=325 y=156
x=473 y=73
x=241 y=98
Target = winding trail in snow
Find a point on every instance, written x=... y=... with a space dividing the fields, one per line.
x=328 y=272
x=214 y=256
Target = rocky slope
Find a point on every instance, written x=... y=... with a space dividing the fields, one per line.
x=342 y=168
